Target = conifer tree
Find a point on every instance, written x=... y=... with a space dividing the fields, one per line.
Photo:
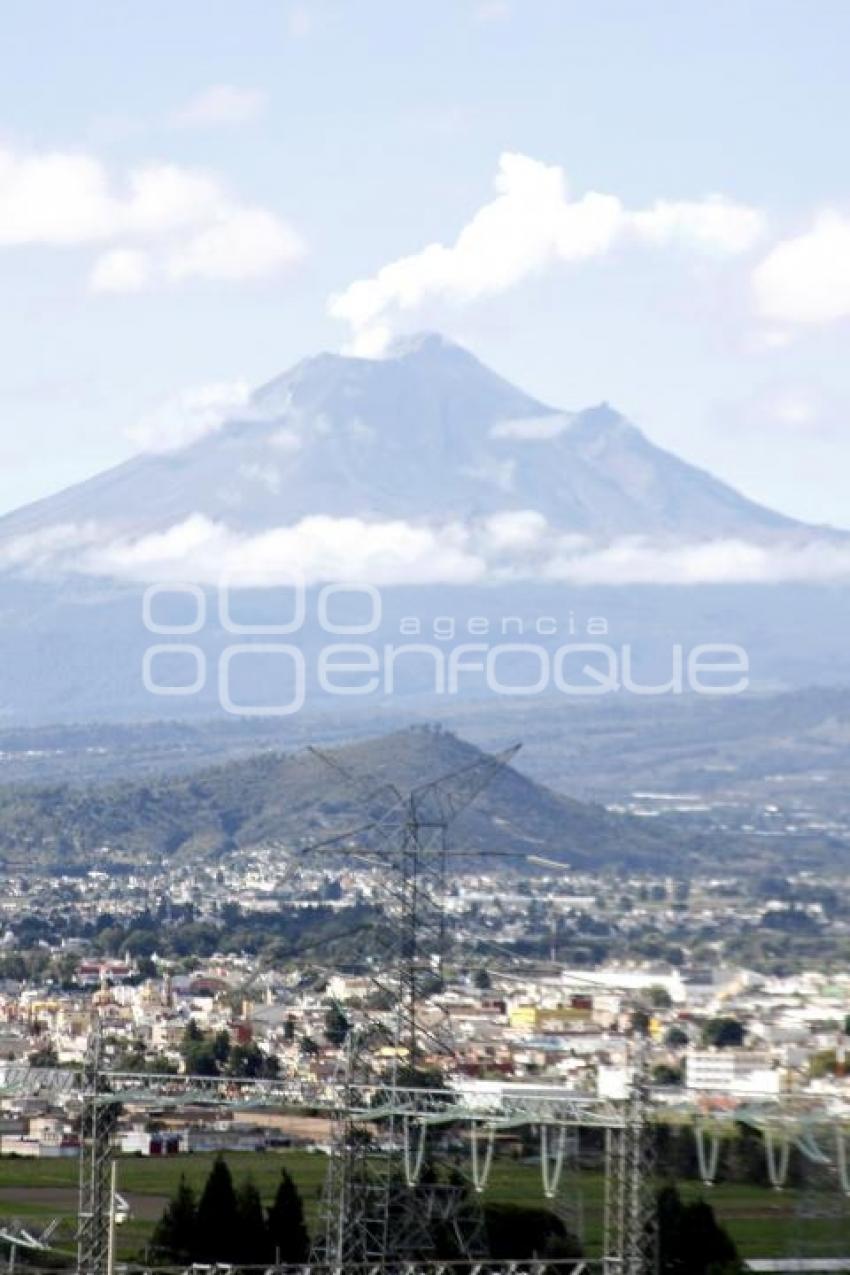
x=217 y=1227
x=174 y=1236
x=251 y=1225
x=287 y=1233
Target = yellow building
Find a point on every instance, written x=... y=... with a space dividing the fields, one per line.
x=542 y=1017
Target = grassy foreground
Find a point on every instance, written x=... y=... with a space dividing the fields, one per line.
x=762 y=1222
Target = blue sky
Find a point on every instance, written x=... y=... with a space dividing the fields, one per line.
x=183 y=188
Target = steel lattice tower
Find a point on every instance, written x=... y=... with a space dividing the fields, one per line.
x=631 y=1210
x=376 y=1209
x=97 y=1120
x=821 y=1211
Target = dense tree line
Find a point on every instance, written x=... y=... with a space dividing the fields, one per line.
x=779 y=942
x=178 y=934
x=229 y=1224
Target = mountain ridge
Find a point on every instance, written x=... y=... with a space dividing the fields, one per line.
x=430 y=476
x=296 y=799
x=428 y=434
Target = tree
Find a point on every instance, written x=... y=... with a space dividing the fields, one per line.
x=690 y=1240
x=44 y=1056
x=231 y=915
x=270 y=1069
x=288 y=1240
x=675 y=1037
x=823 y=1063
x=336 y=1025
x=745 y=1159
x=199 y=1059
x=723 y=1033
x=639 y=1022
x=664 y=1074
x=245 y=1060
x=708 y=1242
x=133 y=1059
x=221 y=1047
x=515 y=1230
x=481 y=979
x=218 y=1234
x=140 y=943
x=198 y=1053
x=670 y=1214
x=251 y=1221
x=174 y=1235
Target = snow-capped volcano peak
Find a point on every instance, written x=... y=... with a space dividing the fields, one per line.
x=425 y=437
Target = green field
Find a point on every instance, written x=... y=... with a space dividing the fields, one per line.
x=763 y=1222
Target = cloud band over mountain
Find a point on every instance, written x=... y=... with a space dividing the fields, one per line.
x=321 y=549
x=421 y=468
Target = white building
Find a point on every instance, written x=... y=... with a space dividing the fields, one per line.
x=733 y=1071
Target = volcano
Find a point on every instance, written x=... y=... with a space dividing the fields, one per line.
x=427 y=435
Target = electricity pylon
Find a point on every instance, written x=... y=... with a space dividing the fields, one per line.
x=392 y=1203
x=389 y=1200
x=97 y=1121
x=630 y=1242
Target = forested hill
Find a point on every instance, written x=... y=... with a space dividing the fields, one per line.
x=296 y=798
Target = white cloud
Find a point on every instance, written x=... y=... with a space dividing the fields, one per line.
x=43 y=548
x=120 y=270
x=222 y=104
x=714 y=224
x=54 y=199
x=320 y=548
x=157 y=224
x=508 y=547
x=57 y=199
x=515 y=530
x=190 y=415
x=636 y=560
x=529 y=428
x=806 y=279
x=247 y=243
x=370 y=340
x=532 y=223
x=164 y=198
